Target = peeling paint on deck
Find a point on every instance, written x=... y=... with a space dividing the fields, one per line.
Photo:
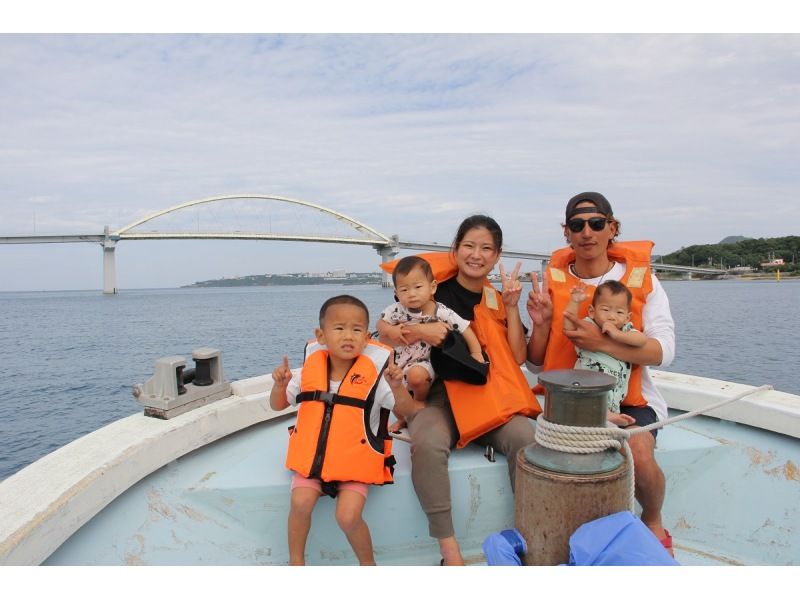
x=191 y=513
x=157 y=506
x=788 y=470
x=207 y=477
x=759 y=458
x=681 y=523
x=474 y=500
x=135 y=557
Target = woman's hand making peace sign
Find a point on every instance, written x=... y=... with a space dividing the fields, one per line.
x=512 y=288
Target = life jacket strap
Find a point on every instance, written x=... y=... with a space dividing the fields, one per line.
x=390 y=462
x=330 y=488
x=330 y=398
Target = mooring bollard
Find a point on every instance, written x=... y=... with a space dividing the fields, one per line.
x=557 y=491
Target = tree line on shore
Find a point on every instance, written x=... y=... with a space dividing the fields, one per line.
x=742 y=253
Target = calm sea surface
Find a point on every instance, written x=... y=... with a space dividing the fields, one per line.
x=70 y=358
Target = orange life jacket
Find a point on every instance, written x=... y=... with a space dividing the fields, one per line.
x=332 y=439
x=480 y=409
x=560 y=353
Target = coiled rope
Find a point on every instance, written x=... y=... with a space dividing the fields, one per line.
x=582 y=440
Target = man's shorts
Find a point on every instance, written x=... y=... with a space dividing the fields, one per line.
x=299 y=481
x=644 y=416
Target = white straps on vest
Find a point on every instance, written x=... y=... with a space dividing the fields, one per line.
x=377 y=353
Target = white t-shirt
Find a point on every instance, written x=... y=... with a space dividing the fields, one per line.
x=383 y=396
x=657 y=323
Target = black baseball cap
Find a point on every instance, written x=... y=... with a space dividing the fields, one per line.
x=599 y=201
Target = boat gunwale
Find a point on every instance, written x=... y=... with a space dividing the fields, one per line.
x=772 y=410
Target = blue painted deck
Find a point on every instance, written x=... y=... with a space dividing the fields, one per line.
x=733 y=495
x=227 y=504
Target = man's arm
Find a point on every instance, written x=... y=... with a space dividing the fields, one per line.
x=588 y=336
x=658 y=326
x=540 y=310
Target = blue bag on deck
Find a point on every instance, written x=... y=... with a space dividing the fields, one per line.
x=618 y=539
x=504 y=548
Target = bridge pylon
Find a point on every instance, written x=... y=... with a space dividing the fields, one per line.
x=388 y=253
x=109 y=265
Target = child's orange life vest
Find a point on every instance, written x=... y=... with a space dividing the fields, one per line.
x=332 y=440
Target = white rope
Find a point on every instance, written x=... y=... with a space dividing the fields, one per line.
x=585 y=440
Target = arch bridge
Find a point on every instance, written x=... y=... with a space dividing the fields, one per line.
x=355 y=233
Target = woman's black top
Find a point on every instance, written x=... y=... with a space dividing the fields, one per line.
x=459 y=299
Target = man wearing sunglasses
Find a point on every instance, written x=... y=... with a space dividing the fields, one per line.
x=593 y=256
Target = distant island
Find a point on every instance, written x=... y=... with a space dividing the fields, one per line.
x=291 y=279
x=737 y=255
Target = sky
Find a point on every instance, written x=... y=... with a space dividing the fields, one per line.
x=691 y=136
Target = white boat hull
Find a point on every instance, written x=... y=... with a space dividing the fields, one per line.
x=143 y=491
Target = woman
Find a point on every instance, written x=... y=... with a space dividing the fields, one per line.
x=593 y=256
x=457 y=413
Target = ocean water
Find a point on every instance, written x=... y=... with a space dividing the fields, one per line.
x=70 y=358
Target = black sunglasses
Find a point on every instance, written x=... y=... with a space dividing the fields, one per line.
x=597 y=223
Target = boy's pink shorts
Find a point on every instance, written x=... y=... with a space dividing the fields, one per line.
x=299 y=481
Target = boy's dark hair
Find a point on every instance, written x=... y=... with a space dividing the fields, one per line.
x=408 y=263
x=614 y=287
x=342 y=300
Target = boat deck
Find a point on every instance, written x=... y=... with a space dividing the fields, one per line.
x=226 y=504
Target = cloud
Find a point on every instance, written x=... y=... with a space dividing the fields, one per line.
x=406 y=133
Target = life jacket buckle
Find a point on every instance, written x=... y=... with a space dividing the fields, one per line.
x=326 y=397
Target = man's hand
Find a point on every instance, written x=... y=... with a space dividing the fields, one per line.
x=620 y=419
x=586 y=335
x=539 y=304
